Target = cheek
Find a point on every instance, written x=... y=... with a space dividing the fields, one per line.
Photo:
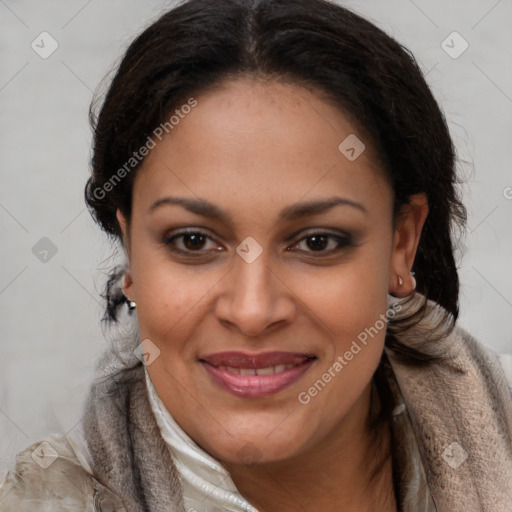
x=172 y=303
x=353 y=311
x=350 y=297
x=170 y=298
x=350 y=312
x=350 y=304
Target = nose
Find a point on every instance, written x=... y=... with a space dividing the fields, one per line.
x=255 y=299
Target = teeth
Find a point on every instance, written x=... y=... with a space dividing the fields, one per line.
x=266 y=371
x=260 y=371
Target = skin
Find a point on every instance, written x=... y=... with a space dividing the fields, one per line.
x=252 y=148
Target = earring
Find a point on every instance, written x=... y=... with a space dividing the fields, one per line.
x=401 y=281
x=131 y=305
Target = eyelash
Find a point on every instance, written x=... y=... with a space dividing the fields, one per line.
x=343 y=242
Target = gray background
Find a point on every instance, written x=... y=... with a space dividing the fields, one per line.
x=50 y=311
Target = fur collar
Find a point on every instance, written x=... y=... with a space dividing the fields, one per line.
x=461 y=413
x=460 y=410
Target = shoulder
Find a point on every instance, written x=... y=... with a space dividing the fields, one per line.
x=497 y=365
x=53 y=472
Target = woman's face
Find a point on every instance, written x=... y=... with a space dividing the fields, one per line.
x=261 y=272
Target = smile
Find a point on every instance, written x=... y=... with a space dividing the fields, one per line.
x=255 y=376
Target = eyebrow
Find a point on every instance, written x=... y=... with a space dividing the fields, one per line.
x=295 y=211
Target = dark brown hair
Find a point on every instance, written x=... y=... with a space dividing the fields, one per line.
x=313 y=43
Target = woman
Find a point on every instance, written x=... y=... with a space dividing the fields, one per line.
x=283 y=184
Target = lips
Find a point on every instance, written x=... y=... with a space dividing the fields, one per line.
x=256 y=375
x=256 y=361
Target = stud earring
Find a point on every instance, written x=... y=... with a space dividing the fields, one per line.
x=131 y=305
x=400 y=281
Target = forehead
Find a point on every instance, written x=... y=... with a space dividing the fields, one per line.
x=253 y=144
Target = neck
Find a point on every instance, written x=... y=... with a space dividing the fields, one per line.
x=352 y=470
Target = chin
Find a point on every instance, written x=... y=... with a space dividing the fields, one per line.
x=257 y=447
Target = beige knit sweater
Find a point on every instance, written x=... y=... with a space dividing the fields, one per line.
x=460 y=412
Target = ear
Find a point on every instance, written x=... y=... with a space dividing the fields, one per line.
x=406 y=239
x=127 y=278
x=123 y=225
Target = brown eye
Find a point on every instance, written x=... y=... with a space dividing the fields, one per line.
x=323 y=243
x=317 y=243
x=187 y=242
x=193 y=240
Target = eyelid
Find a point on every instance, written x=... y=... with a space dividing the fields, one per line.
x=318 y=231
